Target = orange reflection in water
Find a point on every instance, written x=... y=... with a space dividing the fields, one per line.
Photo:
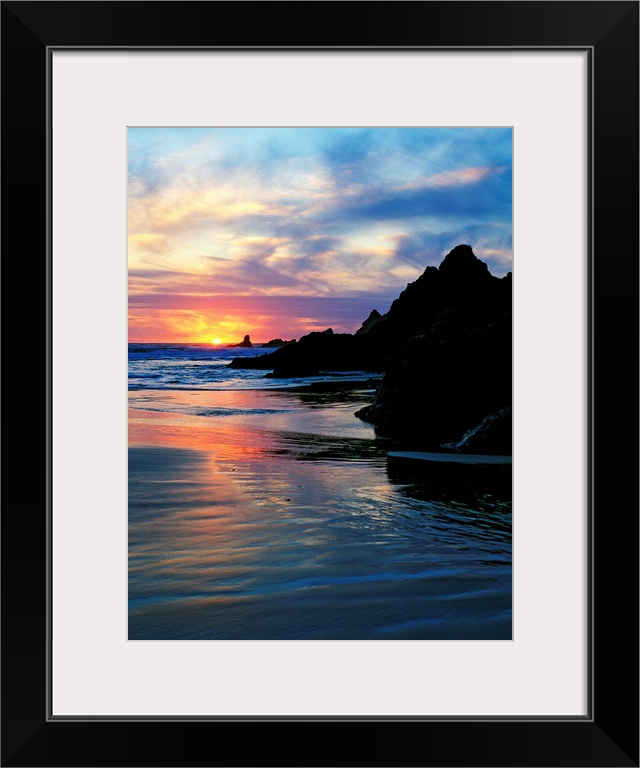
x=173 y=428
x=248 y=523
x=189 y=519
x=199 y=433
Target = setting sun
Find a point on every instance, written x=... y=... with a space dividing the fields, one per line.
x=216 y=341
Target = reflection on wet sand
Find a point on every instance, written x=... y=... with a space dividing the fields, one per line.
x=242 y=528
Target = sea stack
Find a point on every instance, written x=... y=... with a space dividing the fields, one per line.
x=246 y=342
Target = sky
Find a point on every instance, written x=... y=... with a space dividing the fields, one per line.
x=276 y=232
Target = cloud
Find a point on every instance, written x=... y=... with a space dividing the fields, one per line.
x=488 y=197
x=315 y=212
x=263 y=317
x=461 y=176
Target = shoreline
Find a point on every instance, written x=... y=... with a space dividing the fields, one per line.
x=246 y=405
x=278 y=526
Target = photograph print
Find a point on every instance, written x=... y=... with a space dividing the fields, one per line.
x=319 y=383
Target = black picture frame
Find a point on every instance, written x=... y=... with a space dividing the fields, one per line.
x=608 y=736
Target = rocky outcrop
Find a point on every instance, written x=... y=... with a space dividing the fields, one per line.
x=456 y=369
x=276 y=343
x=246 y=342
x=460 y=279
x=492 y=435
x=317 y=351
x=374 y=318
x=445 y=348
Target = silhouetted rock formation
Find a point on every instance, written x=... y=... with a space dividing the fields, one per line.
x=456 y=369
x=246 y=342
x=445 y=347
x=275 y=343
x=317 y=351
x=460 y=279
x=374 y=317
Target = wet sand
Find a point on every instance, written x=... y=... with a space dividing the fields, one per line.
x=278 y=515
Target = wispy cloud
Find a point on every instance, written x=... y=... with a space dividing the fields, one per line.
x=461 y=176
x=310 y=212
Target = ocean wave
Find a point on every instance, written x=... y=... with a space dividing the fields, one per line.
x=239 y=411
x=186 y=410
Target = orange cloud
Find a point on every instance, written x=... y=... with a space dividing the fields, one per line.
x=189 y=326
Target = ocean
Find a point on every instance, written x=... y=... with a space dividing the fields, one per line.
x=263 y=509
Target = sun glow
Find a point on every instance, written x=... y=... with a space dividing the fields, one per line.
x=216 y=341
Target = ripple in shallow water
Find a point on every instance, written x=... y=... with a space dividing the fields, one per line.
x=288 y=520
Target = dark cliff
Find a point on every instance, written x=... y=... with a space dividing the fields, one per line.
x=456 y=370
x=445 y=348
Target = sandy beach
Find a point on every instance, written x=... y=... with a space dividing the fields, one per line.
x=279 y=515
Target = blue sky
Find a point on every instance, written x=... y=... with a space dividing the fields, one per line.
x=280 y=231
